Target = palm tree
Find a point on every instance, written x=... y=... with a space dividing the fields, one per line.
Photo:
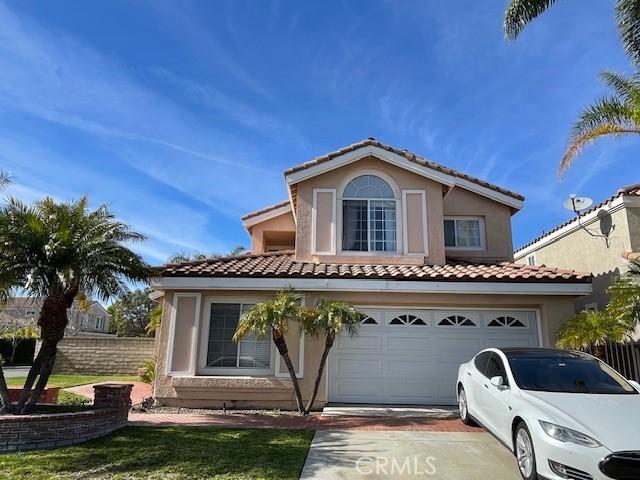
x=273 y=318
x=592 y=329
x=58 y=251
x=182 y=257
x=520 y=13
x=331 y=319
x=610 y=116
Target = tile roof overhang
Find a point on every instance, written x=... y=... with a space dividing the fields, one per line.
x=282 y=265
x=266 y=213
x=628 y=191
x=407 y=159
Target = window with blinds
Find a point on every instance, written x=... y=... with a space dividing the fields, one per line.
x=222 y=352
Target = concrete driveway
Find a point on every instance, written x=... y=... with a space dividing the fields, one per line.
x=404 y=455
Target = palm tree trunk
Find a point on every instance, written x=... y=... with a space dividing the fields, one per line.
x=281 y=345
x=323 y=360
x=52 y=321
x=600 y=352
x=5 y=401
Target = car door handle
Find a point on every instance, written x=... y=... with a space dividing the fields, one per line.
x=469 y=373
x=486 y=386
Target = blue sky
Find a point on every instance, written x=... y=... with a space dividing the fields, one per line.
x=183 y=115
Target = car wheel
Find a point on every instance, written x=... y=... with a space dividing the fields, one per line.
x=463 y=407
x=525 y=453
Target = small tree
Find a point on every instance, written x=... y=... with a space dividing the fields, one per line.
x=156 y=319
x=132 y=314
x=330 y=319
x=273 y=318
x=592 y=329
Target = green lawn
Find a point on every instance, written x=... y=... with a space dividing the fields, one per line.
x=66 y=381
x=170 y=452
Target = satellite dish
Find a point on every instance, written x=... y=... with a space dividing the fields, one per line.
x=577 y=204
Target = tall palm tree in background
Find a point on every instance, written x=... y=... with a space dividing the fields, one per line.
x=60 y=251
x=273 y=318
x=330 y=319
x=610 y=116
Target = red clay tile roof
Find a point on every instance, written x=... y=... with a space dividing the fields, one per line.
x=284 y=265
x=406 y=154
x=630 y=191
x=265 y=209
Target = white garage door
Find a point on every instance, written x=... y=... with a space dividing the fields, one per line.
x=412 y=356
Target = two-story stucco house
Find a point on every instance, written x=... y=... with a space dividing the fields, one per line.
x=601 y=240
x=423 y=250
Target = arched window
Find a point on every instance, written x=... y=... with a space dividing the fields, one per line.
x=368 y=215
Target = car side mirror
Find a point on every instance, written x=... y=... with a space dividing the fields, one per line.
x=634 y=384
x=498 y=381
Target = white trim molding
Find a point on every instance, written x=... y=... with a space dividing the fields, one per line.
x=405 y=223
x=194 y=333
x=400 y=161
x=314 y=218
x=276 y=212
x=357 y=285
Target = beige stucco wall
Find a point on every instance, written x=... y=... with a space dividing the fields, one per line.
x=277 y=225
x=270 y=392
x=585 y=253
x=403 y=179
x=497 y=220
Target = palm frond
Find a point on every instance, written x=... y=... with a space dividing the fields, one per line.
x=5 y=179
x=519 y=13
x=628 y=18
x=333 y=318
x=626 y=89
x=578 y=142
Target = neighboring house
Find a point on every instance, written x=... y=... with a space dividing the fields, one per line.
x=601 y=240
x=93 y=319
x=423 y=250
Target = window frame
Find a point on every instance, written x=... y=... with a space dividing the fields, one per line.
x=397 y=194
x=482 y=228
x=204 y=343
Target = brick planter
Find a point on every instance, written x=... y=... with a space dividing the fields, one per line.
x=39 y=431
x=50 y=395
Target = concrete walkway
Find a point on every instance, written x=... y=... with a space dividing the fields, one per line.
x=400 y=455
x=311 y=422
x=139 y=392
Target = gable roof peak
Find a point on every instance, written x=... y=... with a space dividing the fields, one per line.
x=294 y=174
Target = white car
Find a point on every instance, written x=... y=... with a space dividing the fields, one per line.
x=565 y=415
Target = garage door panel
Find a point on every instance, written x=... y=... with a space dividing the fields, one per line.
x=349 y=366
x=405 y=364
x=409 y=367
x=359 y=342
x=404 y=343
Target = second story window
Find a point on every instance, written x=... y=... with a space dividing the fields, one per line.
x=464 y=233
x=368 y=215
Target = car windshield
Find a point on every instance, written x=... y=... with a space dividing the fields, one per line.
x=567 y=374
